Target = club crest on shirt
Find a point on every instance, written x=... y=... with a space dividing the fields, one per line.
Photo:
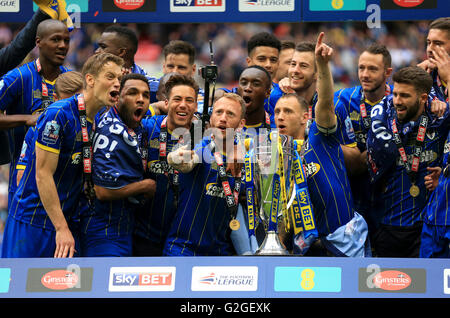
x=154 y=143
x=355 y=116
x=37 y=93
x=50 y=134
x=76 y=158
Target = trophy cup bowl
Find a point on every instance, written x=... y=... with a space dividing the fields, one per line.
x=267 y=164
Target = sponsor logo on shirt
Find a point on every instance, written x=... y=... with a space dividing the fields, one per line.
x=311 y=169
x=157 y=167
x=425 y=156
x=215 y=190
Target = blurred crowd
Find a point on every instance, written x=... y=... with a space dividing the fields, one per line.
x=406 y=42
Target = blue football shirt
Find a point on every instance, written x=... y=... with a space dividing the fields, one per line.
x=117 y=162
x=58 y=130
x=328 y=183
x=21 y=92
x=200 y=226
x=155 y=218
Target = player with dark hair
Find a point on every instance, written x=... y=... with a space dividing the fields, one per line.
x=327 y=178
x=374 y=70
x=179 y=57
x=438 y=56
x=302 y=80
x=263 y=50
x=285 y=57
x=405 y=139
x=119 y=148
x=254 y=87
x=39 y=217
x=153 y=221
x=123 y=42
x=435 y=236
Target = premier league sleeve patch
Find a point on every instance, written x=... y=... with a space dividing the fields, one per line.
x=50 y=134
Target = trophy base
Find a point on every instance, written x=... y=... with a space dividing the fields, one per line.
x=272 y=246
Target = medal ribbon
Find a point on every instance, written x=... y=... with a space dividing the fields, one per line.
x=418 y=148
x=87 y=149
x=46 y=98
x=174 y=183
x=362 y=108
x=231 y=196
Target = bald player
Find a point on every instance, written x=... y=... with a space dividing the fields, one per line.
x=29 y=89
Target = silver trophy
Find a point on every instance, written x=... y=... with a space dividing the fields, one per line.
x=273 y=159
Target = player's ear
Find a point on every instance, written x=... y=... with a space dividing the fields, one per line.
x=424 y=98
x=122 y=52
x=305 y=117
x=388 y=72
x=241 y=123
x=90 y=80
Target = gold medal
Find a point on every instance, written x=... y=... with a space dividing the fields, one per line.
x=414 y=190
x=235 y=225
